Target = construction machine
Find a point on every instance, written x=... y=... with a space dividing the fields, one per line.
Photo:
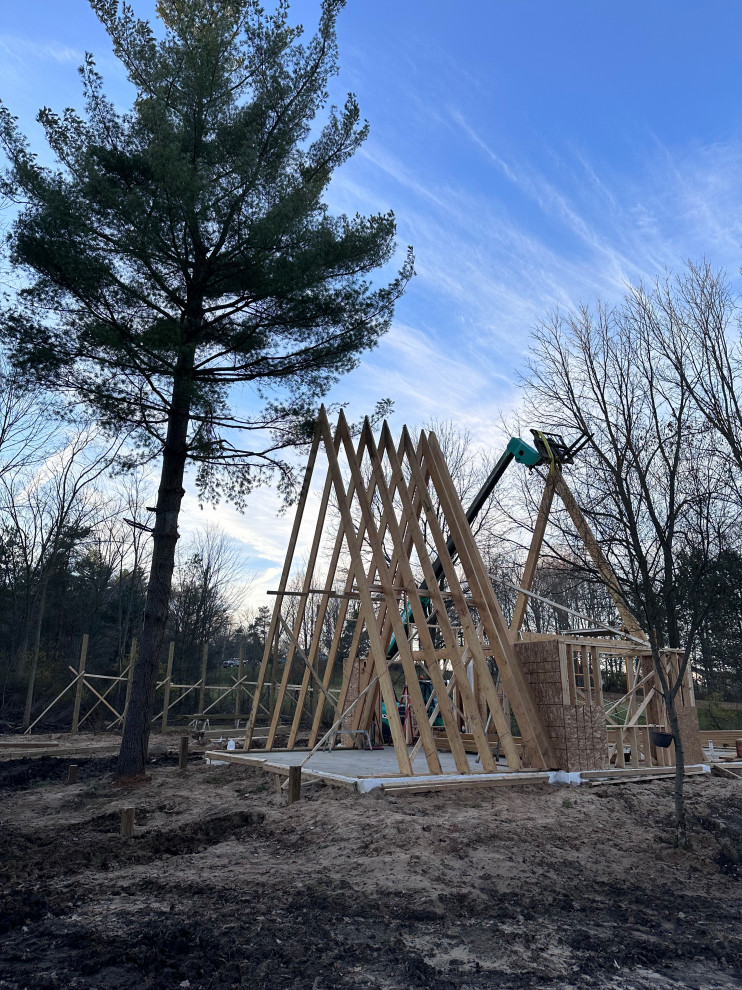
x=547 y=448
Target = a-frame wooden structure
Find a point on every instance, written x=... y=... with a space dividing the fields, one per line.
x=385 y=508
x=387 y=496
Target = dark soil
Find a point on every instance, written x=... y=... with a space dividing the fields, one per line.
x=224 y=886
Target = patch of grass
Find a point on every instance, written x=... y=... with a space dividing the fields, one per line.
x=715 y=714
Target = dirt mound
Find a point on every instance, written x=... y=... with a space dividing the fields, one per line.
x=225 y=886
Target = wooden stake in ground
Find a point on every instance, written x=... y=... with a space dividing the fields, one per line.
x=127 y=822
x=183 y=754
x=72 y=773
x=78 y=692
x=294 y=784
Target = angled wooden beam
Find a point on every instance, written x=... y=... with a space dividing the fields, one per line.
x=310 y=670
x=409 y=523
x=339 y=626
x=298 y=622
x=518 y=690
x=359 y=626
x=533 y=554
x=116 y=682
x=364 y=714
x=385 y=579
x=604 y=569
x=367 y=607
x=270 y=641
x=471 y=635
x=409 y=519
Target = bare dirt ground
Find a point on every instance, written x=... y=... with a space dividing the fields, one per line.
x=223 y=885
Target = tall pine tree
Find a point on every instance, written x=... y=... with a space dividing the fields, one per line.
x=184 y=247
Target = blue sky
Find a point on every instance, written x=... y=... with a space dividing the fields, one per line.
x=536 y=154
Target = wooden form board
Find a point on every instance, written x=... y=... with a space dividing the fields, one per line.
x=383 y=515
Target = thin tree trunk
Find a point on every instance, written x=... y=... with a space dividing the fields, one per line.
x=135 y=741
x=669 y=694
x=22 y=654
x=35 y=653
x=682 y=835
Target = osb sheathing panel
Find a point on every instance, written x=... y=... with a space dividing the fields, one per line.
x=577 y=733
x=689 y=733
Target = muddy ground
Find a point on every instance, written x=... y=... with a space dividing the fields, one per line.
x=223 y=885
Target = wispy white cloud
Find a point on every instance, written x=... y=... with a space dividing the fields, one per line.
x=489 y=270
x=23 y=59
x=27 y=51
x=262 y=532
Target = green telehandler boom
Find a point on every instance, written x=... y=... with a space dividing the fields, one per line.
x=548 y=448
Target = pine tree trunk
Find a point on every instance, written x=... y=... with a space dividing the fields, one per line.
x=135 y=741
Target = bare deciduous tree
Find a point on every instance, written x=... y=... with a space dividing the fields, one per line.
x=651 y=485
x=51 y=509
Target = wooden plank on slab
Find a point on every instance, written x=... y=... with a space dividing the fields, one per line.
x=6 y=743
x=724 y=771
x=283 y=768
x=507 y=780
x=638 y=772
